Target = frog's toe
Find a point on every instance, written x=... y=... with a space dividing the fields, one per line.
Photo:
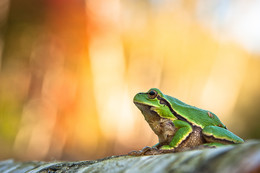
x=135 y=153
x=145 y=151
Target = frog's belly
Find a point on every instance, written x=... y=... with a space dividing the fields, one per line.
x=194 y=139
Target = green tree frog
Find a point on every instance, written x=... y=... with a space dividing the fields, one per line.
x=180 y=126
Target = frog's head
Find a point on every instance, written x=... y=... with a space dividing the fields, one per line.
x=152 y=105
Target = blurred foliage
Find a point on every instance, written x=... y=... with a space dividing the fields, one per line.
x=69 y=70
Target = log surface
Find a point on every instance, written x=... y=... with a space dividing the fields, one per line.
x=243 y=158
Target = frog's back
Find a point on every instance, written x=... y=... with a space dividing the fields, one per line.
x=193 y=114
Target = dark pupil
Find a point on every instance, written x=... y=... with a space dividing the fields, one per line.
x=151 y=93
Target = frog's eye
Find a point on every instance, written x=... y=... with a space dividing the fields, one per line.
x=152 y=94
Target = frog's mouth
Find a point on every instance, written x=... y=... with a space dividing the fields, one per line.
x=149 y=114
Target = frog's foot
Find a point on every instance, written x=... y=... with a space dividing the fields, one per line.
x=150 y=151
x=145 y=151
x=134 y=153
x=159 y=151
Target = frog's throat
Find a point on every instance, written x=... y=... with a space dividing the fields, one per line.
x=162 y=127
x=149 y=114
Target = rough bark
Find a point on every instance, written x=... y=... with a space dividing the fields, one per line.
x=243 y=158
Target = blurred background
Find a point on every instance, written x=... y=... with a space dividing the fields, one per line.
x=69 y=70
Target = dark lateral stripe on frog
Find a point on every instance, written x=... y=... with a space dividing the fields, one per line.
x=210 y=137
x=163 y=101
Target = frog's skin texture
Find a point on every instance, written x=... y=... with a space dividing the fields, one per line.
x=180 y=126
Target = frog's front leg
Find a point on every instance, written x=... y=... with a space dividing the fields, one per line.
x=184 y=130
x=216 y=135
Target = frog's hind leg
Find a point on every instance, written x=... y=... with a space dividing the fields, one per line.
x=183 y=132
x=215 y=135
